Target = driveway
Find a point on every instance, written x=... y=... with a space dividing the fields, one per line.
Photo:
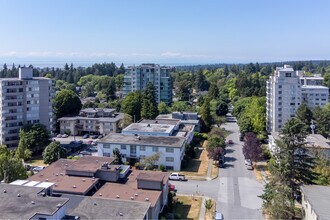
x=236 y=190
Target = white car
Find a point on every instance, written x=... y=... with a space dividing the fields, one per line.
x=65 y=135
x=248 y=162
x=177 y=176
x=38 y=168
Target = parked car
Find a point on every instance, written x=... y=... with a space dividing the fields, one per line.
x=177 y=176
x=171 y=187
x=248 y=162
x=92 y=149
x=89 y=142
x=86 y=136
x=65 y=135
x=38 y=168
x=94 y=143
x=249 y=167
x=84 y=152
x=95 y=136
x=218 y=216
x=59 y=136
x=100 y=136
x=230 y=142
x=241 y=137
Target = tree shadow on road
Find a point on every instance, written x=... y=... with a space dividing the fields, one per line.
x=229 y=150
x=230 y=159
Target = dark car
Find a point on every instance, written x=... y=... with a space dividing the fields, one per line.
x=86 y=136
x=241 y=137
x=92 y=149
x=95 y=136
x=100 y=136
x=85 y=152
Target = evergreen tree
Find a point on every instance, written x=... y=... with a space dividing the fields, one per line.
x=53 y=152
x=304 y=114
x=226 y=71
x=149 y=104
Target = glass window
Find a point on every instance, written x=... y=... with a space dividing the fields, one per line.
x=155 y=149
x=142 y=148
x=106 y=155
x=169 y=150
x=169 y=159
x=106 y=145
x=123 y=147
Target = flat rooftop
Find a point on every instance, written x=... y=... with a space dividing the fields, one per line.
x=163 y=141
x=99 y=208
x=90 y=163
x=318 y=197
x=14 y=207
x=169 y=121
x=55 y=173
x=95 y=110
x=129 y=190
x=149 y=128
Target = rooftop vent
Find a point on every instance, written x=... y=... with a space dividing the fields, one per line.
x=97 y=161
x=95 y=203
x=132 y=198
x=156 y=122
x=117 y=196
x=121 y=214
x=74 y=186
x=100 y=194
x=18 y=195
x=66 y=164
x=83 y=180
x=58 y=205
x=56 y=174
x=148 y=125
x=41 y=174
x=55 y=184
x=147 y=199
x=135 y=194
x=32 y=202
x=4 y=191
x=46 y=180
x=61 y=174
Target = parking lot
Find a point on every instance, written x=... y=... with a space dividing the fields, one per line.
x=85 y=146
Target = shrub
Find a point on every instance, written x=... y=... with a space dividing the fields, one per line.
x=162 y=168
x=126 y=163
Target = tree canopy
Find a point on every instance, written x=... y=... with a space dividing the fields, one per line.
x=53 y=152
x=66 y=102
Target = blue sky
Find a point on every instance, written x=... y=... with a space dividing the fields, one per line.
x=163 y=31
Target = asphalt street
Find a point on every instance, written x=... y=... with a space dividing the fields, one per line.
x=236 y=190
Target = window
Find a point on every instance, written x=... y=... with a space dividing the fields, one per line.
x=280 y=103
x=169 y=168
x=142 y=148
x=280 y=109
x=287 y=74
x=142 y=157
x=169 y=150
x=155 y=149
x=106 y=145
x=106 y=155
x=279 y=92
x=280 y=86
x=123 y=147
x=280 y=98
x=169 y=159
x=292 y=104
x=279 y=115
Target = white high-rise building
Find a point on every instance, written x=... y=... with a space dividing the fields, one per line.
x=24 y=100
x=286 y=90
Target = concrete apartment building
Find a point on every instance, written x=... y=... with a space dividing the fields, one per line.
x=286 y=90
x=24 y=100
x=137 y=77
x=92 y=121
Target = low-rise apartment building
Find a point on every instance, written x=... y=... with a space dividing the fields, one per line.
x=187 y=118
x=24 y=100
x=137 y=147
x=140 y=140
x=316 y=144
x=315 y=202
x=92 y=121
